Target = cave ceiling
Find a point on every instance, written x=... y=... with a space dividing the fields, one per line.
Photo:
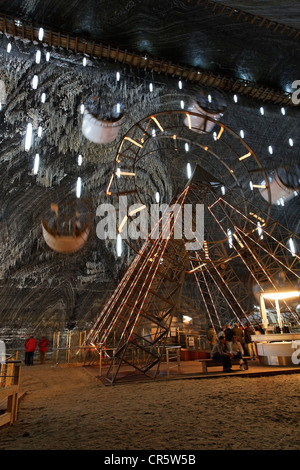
x=215 y=48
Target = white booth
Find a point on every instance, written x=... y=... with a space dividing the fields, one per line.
x=282 y=349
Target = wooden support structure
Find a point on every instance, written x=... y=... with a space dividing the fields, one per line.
x=9 y=391
x=19 y=28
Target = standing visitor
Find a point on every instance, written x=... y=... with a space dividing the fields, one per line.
x=30 y=345
x=250 y=346
x=228 y=335
x=238 y=332
x=43 y=347
x=237 y=351
x=211 y=337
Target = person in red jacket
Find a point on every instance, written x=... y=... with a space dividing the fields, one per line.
x=30 y=345
x=43 y=347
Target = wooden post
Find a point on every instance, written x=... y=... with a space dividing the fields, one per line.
x=84 y=351
x=80 y=344
x=100 y=362
x=2 y=375
x=53 y=346
x=167 y=359
x=178 y=360
x=57 y=346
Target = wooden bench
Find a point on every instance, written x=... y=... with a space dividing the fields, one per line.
x=215 y=363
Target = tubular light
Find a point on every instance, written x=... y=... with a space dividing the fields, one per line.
x=35 y=82
x=189 y=170
x=41 y=34
x=119 y=245
x=38 y=56
x=292 y=246
x=78 y=187
x=36 y=164
x=28 y=137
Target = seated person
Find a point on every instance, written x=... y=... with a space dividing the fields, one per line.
x=237 y=351
x=220 y=352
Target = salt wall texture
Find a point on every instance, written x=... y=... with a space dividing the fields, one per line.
x=41 y=290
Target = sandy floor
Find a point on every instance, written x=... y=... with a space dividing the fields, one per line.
x=69 y=409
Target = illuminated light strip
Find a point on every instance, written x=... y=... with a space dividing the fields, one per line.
x=223 y=280
x=149 y=283
x=122 y=224
x=245 y=156
x=249 y=220
x=259 y=186
x=156 y=121
x=206 y=252
x=197 y=268
x=125 y=173
x=134 y=211
x=132 y=285
x=189 y=120
x=220 y=133
x=252 y=274
x=269 y=278
x=157 y=265
x=257 y=217
x=280 y=295
x=133 y=141
x=264 y=249
x=254 y=256
x=238 y=240
x=223 y=292
x=203 y=298
x=209 y=293
x=128 y=293
x=109 y=185
x=104 y=315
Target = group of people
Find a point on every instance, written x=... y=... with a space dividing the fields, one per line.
x=30 y=347
x=234 y=343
